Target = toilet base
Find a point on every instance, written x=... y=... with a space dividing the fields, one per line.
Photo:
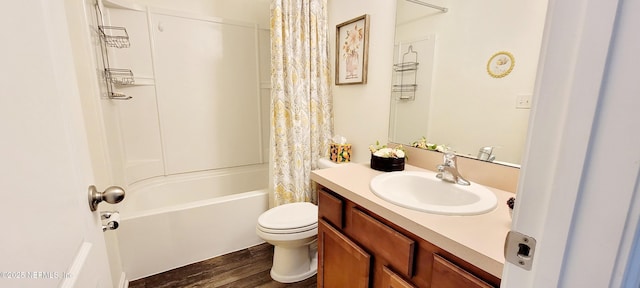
x=294 y=264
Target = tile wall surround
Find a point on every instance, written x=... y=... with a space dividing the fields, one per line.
x=486 y=173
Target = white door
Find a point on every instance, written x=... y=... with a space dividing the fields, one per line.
x=48 y=235
x=578 y=193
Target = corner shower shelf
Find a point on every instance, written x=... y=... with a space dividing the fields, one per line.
x=115 y=36
x=119 y=76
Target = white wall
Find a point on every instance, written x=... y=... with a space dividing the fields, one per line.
x=361 y=112
x=252 y=11
x=172 y=124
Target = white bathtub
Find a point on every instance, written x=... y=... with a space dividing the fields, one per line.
x=183 y=219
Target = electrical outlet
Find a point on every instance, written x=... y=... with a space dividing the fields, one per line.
x=523 y=101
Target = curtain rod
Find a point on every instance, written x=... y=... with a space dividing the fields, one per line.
x=443 y=9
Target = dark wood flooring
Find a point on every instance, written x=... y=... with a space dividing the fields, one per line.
x=245 y=268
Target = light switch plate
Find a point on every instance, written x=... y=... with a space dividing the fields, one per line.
x=523 y=101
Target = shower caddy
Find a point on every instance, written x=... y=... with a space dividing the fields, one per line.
x=115 y=37
x=407 y=88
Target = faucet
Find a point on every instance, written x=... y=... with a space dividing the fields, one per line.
x=448 y=170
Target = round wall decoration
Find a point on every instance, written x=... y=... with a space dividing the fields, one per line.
x=500 y=64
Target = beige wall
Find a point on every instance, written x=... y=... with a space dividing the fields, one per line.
x=361 y=112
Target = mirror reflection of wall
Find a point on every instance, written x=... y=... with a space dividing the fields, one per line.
x=457 y=103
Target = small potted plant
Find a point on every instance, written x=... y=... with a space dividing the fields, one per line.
x=387 y=159
x=423 y=144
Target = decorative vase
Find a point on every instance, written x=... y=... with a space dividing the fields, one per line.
x=387 y=164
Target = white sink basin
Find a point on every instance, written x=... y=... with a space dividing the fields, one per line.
x=422 y=191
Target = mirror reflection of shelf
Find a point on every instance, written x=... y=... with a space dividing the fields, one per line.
x=406 y=90
x=405 y=66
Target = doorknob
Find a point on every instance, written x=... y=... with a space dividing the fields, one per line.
x=113 y=195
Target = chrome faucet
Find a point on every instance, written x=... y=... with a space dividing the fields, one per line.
x=448 y=170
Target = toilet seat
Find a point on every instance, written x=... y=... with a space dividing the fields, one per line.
x=288 y=231
x=289 y=218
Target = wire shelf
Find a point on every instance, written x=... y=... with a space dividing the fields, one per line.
x=405 y=66
x=115 y=36
x=119 y=76
x=119 y=96
x=406 y=89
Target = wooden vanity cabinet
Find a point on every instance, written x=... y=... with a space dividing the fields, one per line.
x=448 y=275
x=357 y=248
x=393 y=280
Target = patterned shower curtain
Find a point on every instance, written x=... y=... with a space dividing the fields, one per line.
x=301 y=103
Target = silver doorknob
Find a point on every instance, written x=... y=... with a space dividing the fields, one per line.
x=113 y=195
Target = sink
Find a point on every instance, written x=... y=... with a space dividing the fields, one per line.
x=422 y=191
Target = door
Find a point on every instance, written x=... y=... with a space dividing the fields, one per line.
x=579 y=183
x=341 y=263
x=49 y=236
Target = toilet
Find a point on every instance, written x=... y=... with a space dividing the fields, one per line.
x=293 y=257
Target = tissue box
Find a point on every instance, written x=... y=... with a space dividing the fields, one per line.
x=340 y=153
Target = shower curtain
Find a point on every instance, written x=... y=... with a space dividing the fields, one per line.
x=301 y=103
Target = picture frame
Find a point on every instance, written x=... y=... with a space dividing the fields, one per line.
x=352 y=51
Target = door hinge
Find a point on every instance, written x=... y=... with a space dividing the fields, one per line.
x=519 y=249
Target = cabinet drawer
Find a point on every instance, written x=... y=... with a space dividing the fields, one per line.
x=330 y=208
x=448 y=275
x=382 y=240
x=392 y=280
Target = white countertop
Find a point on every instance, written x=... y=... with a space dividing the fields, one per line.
x=478 y=239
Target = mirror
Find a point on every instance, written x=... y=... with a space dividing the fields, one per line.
x=464 y=78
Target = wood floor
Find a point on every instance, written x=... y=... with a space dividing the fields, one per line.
x=246 y=268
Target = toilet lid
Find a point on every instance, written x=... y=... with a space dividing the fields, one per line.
x=289 y=216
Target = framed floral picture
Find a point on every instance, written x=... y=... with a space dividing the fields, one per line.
x=352 y=49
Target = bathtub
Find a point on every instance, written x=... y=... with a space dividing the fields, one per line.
x=182 y=219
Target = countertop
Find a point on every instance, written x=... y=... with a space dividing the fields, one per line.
x=478 y=239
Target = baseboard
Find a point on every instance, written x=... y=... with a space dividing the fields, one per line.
x=124 y=283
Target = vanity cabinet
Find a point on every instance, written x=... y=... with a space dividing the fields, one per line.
x=357 y=248
x=392 y=280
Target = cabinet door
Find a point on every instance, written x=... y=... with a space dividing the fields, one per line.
x=341 y=263
x=448 y=275
x=392 y=280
